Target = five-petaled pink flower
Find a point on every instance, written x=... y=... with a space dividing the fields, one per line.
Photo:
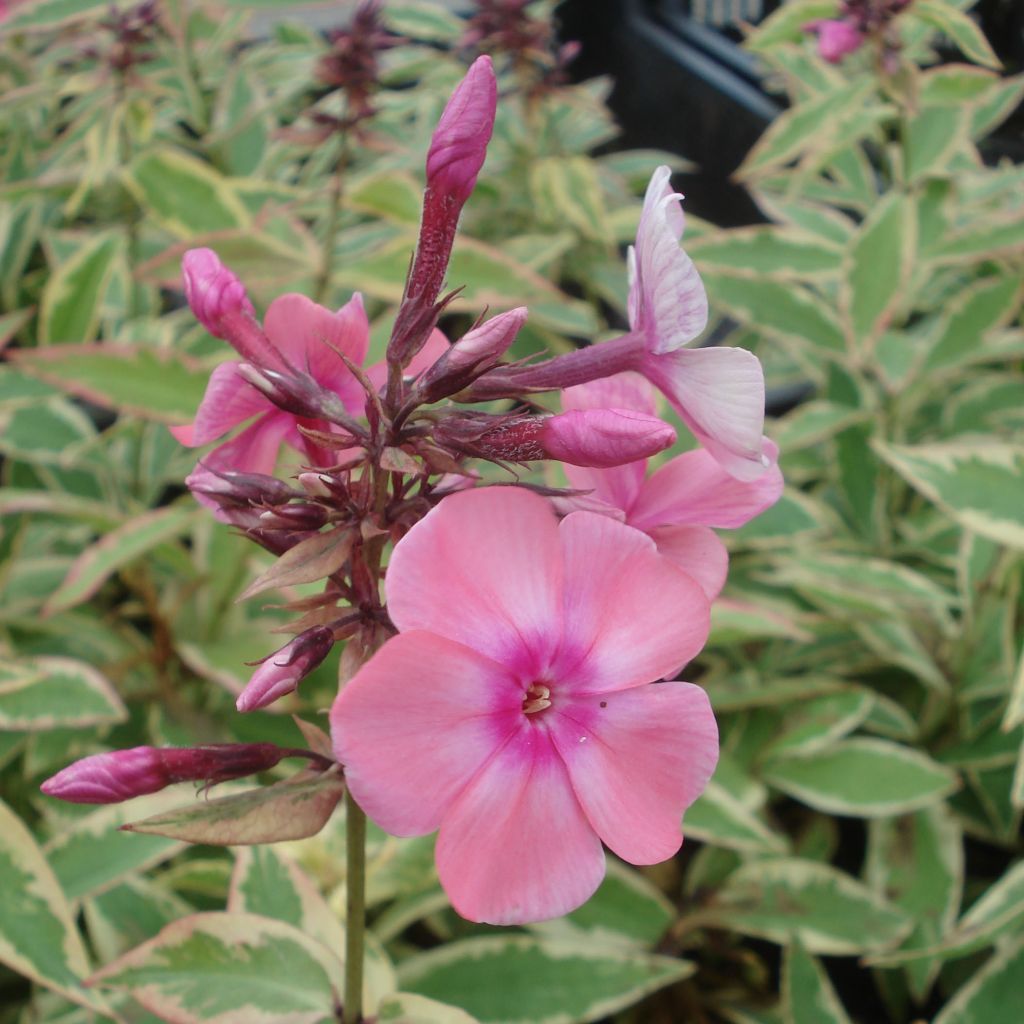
x=678 y=504
x=515 y=711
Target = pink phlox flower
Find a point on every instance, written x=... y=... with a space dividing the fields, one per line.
x=677 y=505
x=515 y=711
x=719 y=391
x=297 y=335
x=836 y=38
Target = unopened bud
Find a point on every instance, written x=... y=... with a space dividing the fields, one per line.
x=122 y=774
x=474 y=353
x=212 y=290
x=227 y=487
x=459 y=143
x=283 y=670
x=294 y=517
x=835 y=38
x=602 y=438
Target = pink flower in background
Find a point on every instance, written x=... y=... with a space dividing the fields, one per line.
x=835 y=38
x=718 y=391
x=515 y=710
x=678 y=504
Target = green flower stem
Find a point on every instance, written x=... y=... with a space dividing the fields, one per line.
x=355 y=910
x=323 y=279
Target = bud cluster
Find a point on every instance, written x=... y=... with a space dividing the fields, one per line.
x=133 y=33
x=860 y=21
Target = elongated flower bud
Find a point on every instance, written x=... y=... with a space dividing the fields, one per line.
x=602 y=438
x=459 y=143
x=283 y=670
x=212 y=290
x=122 y=774
x=835 y=38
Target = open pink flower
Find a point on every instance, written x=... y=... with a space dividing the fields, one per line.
x=718 y=391
x=515 y=710
x=678 y=504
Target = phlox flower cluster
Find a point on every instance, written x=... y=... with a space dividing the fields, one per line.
x=507 y=645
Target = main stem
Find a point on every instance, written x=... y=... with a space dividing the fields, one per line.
x=355 y=910
x=333 y=218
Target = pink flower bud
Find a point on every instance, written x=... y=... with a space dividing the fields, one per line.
x=835 y=38
x=483 y=346
x=459 y=144
x=122 y=774
x=603 y=438
x=282 y=671
x=212 y=290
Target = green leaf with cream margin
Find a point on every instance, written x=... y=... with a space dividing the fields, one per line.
x=807 y=993
x=70 y=305
x=38 y=937
x=829 y=911
x=720 y=818
x=225 y=968
x=991 y=991
x=519 y=980
x=407 y=1008
x=268 y=883
x=979 y=483
x=862 y=777
x=51 y=692
x=117 y=549
x=293 y=809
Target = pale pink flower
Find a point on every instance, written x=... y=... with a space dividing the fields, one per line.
x=835 y=38
x=718 y=391
x=678 y=504
x=515 y=710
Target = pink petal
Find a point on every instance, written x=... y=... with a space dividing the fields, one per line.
x=516 y=846
x=629 y=615
x=668 y=303
x=228 y=401
x=483 y=568
x=415 y=725
x=637 y=759
x=697 y=551
x=617 y=488
x=304 y=332
x=627 y=390
x=255 y=449
x=719 y=392
x=693 y=489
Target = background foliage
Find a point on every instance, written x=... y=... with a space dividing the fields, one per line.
x=856 y=856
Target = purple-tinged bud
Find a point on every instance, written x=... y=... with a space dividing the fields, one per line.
x=459 y=143
x=835 y=38
x=282 y=671
x=303 y=516
x=301 y=395
x=228 y=487
x=122 y=774
x=602 y=438
x=212 y=290
x=474 y=353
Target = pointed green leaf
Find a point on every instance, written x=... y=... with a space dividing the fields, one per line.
x=719 y=818
x=567 y=191
x=807 y=991
x=293 y=809
x=406 y=1008
x=58 y=693
x=862 y=777
x=830 y=912
x=117 y=549
x=224 y=968
x=517 y=980
x=932 y=138
x=980 y=484
x=37 y=935
x=766 y=252
x=991 y=992
x=957 y=26
x=71 y=303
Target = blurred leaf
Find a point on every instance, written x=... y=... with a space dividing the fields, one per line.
x=817 y=722
x=990 y=992
x=38 y=937
x=720 y=818
x=933 y=137
x=51 y=14
x=118 y=549
x=293 y=809
x=862 y=777
x=143 y=382
x=566 y=191
x=188 y=197
x=958 y=27
x=807 y=991
x=231 y=969
x=766 y=252
x=830 y=912
x=427 y=22
x=980 y=484
x=393 y=195
x=48 y=693
x=517 y=980
x=406 y=1008
x=71 y=302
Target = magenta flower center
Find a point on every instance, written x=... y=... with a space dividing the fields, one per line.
x=537 y=698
